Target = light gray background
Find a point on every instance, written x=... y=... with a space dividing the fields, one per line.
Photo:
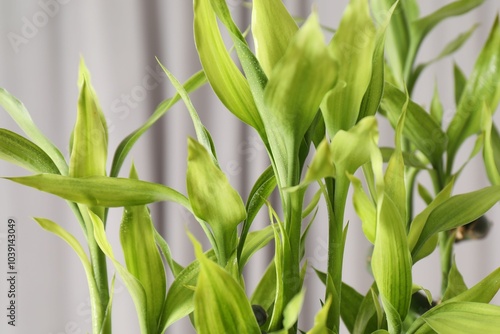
x=119 y=41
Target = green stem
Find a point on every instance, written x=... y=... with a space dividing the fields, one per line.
x=99 y=267
x=446 y=241
x=336 y=247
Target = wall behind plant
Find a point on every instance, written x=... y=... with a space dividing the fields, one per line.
x=40 y=46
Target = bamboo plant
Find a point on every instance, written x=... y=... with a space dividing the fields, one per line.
x=303 y=97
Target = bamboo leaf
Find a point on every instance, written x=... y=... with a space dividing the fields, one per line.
x=490 y=151
x=272 y=29
x=464 y=317
x=482 y=88
x=365 y=209
x=23 y=119
x=320 y=320
x=460 y=81
x=102 y=191
x=256 y=241
x=180 y=297
x=292 y=310
x=456 y=284
x=352 y=47
x=56 y=229
x=213 y=199
x=259 y=194
x=175 y=267
x=420 y=128
x=89 y=140
x=436 y=107
x=350 y=305
x=24 y=153
x=293 y=94
x=425 y=24
x=457 y=211
x=221 y=305
x=123 y=149
x=223 y=75
x=143 y=260
x=133 y=285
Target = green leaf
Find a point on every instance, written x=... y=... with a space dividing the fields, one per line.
x=202 y=133
x=223 y=75
x=23 y=119
x=457 y=211
x=460 y=81
x=456 y=284
x=193 y=83
x=213 y=199
x=180 y=296
x=142 y=257
x=349 y=305
x=398 y=34
x=391 y=253
x=259 y=194
x=464 y=317
x=436 y=107
x=482 y=88
x=365 y=209
x=89 y=140
x=352 y=47
x=292 y=96
x=175 y=267
x=272 y=30
x=420 y=128
x=97 y=311
x=373 y=95
x=366 y=318
x=102 y=191
x=255 y=241
x=425 y=24
x=490 y=151
x=320 y=320
x=418 y=223
x=292 y=310
x=221 y=305
x=132 y=284
x=24 y=153
x=264 y=293
x=352 y=149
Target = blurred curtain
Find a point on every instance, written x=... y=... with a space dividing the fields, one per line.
x=41 y=43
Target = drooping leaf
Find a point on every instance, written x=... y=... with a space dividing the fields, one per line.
x=482 y=88
x=464 y=317
x=272 y=30
x=213 y=199
x=220 y=304
x=142 y=257
x=24 y=153
x=194 y=82
x=352 y=47
x=102 y=191
x=457 y=211
x=420 y=128
x=97 y=320
x=23 y=119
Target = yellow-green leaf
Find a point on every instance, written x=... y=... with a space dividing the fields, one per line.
x=352 y=47
x=24 y=153
x=220 y=304
x=213 y=199
x=142 y=257
x=272 y=29
x=89 y=144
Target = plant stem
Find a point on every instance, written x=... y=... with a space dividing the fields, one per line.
x=336 y=247
x=99 y=266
